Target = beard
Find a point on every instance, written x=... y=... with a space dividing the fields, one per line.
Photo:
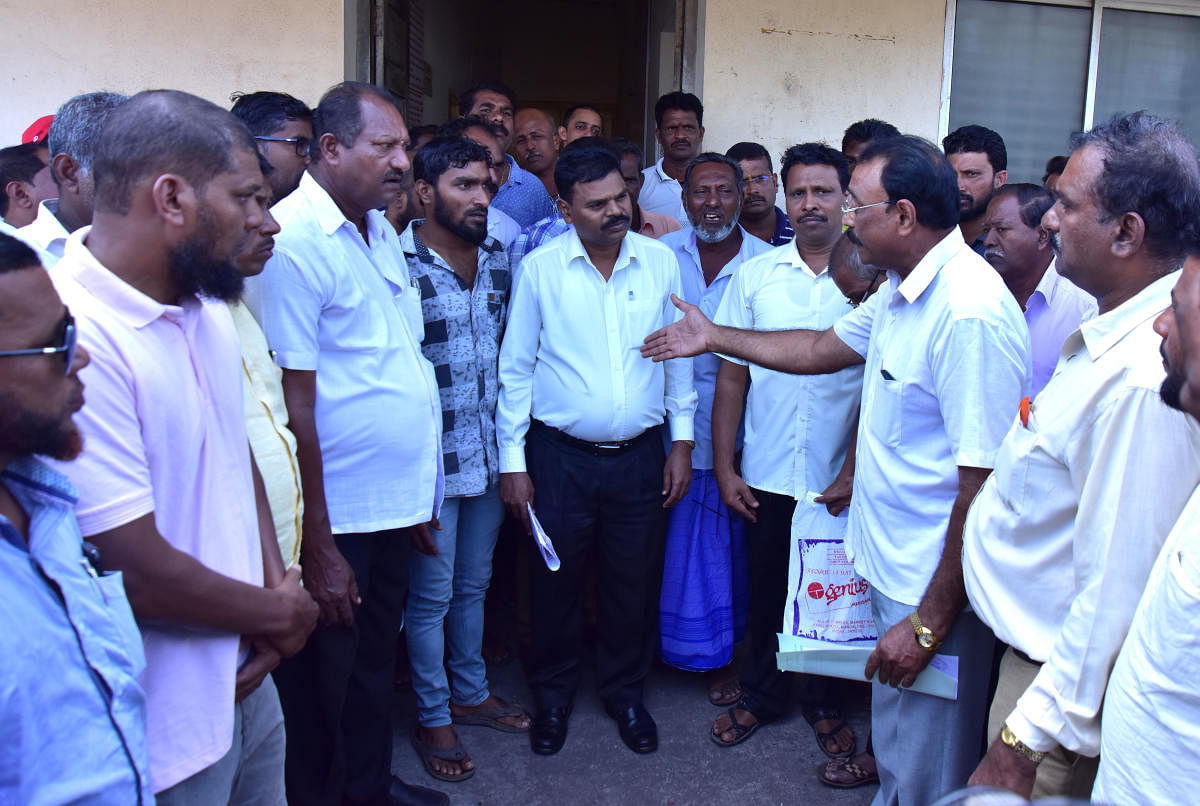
x=195 y=270
x=1171 y=390
x=472 y=233
x=715 y=236
x=977 y=208
x=29 y=432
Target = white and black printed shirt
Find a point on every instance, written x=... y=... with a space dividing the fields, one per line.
x=463 y=327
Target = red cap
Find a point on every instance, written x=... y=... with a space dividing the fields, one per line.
x=38 y=132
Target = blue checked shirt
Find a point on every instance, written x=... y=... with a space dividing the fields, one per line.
x=523 y=196
x=534 y=236
x=463 y=327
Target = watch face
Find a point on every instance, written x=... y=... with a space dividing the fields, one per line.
x=925 y=639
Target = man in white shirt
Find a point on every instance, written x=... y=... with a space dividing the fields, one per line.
x=72 y=141
x=345 y=322
x=1092 y=475
x=947 y=361
x=1151 y=708
x=704 y=586
x=579 y=425
x=679 y=129
x=1019 y=249
x=798 y=429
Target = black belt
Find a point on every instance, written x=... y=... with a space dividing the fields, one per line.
x=611 y=448
x=1025 y=657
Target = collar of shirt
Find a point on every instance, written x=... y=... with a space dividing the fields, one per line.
x=575 y=252
x=660 y=173
x=413 y=246
x=46 y=229
x=329 y=216
x=791 y=257
x=130 y=305
x=36 y=486
x=1103 y=332
x=914 y=285
x=744 y=254
x=516 y=174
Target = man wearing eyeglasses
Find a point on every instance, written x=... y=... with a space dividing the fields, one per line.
x=283 y=129
x=947 y=362
x=760 y=217
x=798 y=431
x=62 y=612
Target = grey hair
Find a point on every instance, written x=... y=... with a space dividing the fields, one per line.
x=75 y=129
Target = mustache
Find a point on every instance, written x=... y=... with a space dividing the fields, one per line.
x=393 y=175
x=993 y=253
x=755 y=197
x=852 y=236
x=813 y=217
x=1055 y=243
x=616 y=221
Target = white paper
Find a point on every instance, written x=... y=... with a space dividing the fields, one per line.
x=847 y=660
x=543 y=541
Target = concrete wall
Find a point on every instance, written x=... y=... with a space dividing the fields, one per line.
x=782 y=72
x=53 y=51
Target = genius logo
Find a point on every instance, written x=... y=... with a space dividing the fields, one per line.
x=816 y=591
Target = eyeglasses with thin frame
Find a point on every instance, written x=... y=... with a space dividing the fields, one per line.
x=847 y=209
x=67 y=347
x=763 y=179
x=300 y=144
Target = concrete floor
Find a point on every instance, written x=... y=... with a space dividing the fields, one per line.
x=777 y=765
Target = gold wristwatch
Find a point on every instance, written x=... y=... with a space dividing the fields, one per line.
x=1010 y=740
x=925 y=637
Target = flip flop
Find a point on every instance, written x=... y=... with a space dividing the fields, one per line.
x=428 y=752
x=491 y=717
x=824 y=738
x=859 y=776
x=740 y=732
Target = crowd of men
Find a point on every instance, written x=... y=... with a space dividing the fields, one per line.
x=327 y=358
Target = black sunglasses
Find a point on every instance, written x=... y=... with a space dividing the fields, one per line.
x=67 y=347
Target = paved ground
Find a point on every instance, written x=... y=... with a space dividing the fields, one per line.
x=775 y=766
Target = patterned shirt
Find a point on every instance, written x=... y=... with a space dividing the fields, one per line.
x=523 y=196
x=783 y=229
x=532 y=237
x=463 y=327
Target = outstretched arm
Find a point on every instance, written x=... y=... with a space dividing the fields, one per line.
x=802 y=352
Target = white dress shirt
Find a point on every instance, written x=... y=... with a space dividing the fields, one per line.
x=1053 y=312
x=1152 y=708
x=570 y=355
x=662 y=194
x=947 y=363
x=46 y=232
x=798 y=427
x=501 y=226
x=344 y=307
x=708 y=298
x=1059 y=541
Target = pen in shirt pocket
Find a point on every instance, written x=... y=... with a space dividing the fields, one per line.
x=887 y=376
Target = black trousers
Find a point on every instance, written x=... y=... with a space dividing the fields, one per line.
x=336 y=693
x=610 y=505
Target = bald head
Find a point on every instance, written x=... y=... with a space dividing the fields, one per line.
x=164 y=132
x=535 y=141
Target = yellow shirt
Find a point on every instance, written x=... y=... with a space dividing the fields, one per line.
x=271 y=441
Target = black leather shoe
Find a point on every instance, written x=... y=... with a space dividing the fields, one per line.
x=402 y=794
x=637 y=727
x=549 y=730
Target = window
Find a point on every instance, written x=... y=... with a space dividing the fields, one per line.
x=1038 y=71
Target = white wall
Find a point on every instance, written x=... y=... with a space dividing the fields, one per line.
x=781 y=72
x=55 y=50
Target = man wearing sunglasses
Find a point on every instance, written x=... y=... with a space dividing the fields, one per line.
x=61 y=611
x=282 y=128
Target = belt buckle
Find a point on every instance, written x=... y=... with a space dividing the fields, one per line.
x=607 y=446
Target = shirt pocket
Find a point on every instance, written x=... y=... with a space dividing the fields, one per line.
x=887 y=411
x=408 y=303
x=641 y=319
x=1169 y=609
x=112 y=588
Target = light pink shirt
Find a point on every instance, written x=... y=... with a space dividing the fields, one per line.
x=164 y=433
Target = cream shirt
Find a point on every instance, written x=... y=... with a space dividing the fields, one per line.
x=1059 y=541
x=570 y=354
x=947 y=363
x=798 y=427
x=271 y=441
x=1152 y=708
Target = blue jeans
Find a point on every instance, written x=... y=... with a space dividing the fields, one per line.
x=926 y=746
x=444 y=618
